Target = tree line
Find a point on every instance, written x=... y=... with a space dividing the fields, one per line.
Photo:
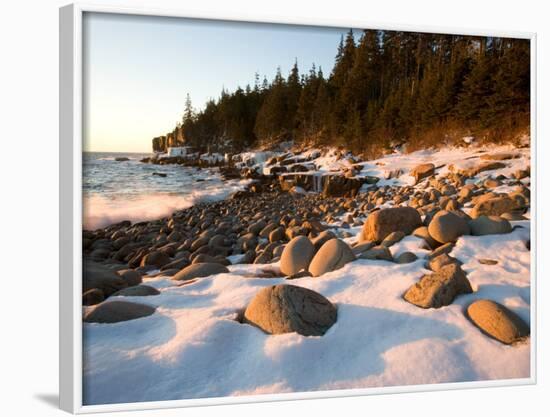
x=384 y=86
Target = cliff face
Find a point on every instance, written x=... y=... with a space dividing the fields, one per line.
x=172 y=139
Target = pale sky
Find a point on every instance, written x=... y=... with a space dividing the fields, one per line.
x=138 y=69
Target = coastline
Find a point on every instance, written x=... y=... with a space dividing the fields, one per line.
x=195 y=272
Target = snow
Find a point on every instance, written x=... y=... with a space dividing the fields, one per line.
x=193 y=347
x=331 y=160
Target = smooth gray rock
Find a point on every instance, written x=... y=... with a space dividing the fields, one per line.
x=288 y=308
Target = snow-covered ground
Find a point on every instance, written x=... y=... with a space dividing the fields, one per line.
x=193 y=346
x=331 y=160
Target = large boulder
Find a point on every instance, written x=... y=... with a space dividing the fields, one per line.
x=97 y=276
x=440 y=288
x=381 y=223
x=497 y=321
x=200 y=270
x=489 y=225
x=333 y=255
x=496 y=206
x=288 y=308
x=422 y=171
x=297 y=255
x=447 y=227
x=115 y=311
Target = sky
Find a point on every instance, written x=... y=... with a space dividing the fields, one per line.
x=138 y=69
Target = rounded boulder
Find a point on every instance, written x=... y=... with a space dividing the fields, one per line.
x=200 y=270
x=497 y=321
x=489 y=225
x=333 y=255
x=297 y=255
x=116 y=311
x=383 y=222
x=287 y=308
x=448 y=227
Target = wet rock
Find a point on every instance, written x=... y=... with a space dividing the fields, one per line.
x=497 y=321
x=117 y=311
x=297 y=255
x=489 y=225
x=383 y=222
x=440 y=288
x=200 y=270
x=333 y=255
x=447 y=227
x=287 y=308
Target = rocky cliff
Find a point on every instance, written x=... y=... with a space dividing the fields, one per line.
x=172 y=139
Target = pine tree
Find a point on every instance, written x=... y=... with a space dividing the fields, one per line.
x=391 y=85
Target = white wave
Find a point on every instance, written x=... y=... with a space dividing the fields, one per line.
x=100 y=211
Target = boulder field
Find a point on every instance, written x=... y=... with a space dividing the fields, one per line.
x=301 y=234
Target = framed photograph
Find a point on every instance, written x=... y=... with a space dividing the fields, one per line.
x=264 y=210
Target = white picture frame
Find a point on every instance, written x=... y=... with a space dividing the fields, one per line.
x=70 y=154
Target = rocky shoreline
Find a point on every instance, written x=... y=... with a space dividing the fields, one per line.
x=296 y=234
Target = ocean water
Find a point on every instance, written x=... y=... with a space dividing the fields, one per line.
x=113 y=191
